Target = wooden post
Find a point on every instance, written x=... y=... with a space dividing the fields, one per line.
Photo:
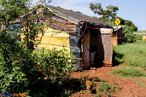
x=86 y=50
x=106 y=34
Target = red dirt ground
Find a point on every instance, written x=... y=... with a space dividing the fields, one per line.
x=130 y=87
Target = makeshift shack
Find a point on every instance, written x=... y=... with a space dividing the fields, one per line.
x=117 y=35
x=86 y=37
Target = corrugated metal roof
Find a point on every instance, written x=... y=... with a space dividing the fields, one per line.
x=75 y=16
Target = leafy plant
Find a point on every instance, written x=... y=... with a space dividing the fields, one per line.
x=54 y=64
x=22 y=68
x=129 y=35
x=12 y=60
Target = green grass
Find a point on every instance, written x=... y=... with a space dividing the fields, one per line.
x=129 y=72
x=104 y=88
x=133 y=54
x=133 y=59
x=140 y=83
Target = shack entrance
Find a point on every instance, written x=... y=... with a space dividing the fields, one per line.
x=97 y=48
x=93 y=53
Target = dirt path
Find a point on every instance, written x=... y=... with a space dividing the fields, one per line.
x=130 y=87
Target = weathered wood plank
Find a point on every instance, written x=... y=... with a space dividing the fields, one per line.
x=107 y=45
x=86 y=52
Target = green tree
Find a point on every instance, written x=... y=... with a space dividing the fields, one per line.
x=108 y=15
x=22 y=69
x=131 y=25
x=32 y=26
x=12 y=9
x=13 y=56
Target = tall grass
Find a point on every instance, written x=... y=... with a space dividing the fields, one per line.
x=130 y=72
x=134 y=54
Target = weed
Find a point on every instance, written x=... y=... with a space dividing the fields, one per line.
x=104 y=88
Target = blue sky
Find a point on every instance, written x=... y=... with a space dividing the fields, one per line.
x=133 y=10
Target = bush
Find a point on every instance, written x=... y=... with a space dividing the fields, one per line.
x=41 y=74
x=12 y=58
x=129 y=35
x=34 y=73
x=54 y=64
x=38 y=74
x=53 y=69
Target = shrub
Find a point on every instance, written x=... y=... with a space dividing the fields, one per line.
x=22 y=70
x=52 y=69
x=54 y=64
x=129 y=35
x=42 y=73
x=12 y=58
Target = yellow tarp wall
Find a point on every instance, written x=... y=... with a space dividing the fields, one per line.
x=54 y=39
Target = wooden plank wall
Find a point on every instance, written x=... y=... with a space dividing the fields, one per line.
x=61 y=24
x=115 y=39
x=120 y=36
x=106 y=35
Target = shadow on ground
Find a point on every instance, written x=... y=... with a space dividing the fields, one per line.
x=47 y=89
x=117 y=58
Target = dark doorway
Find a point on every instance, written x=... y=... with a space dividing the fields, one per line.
x=96 y=48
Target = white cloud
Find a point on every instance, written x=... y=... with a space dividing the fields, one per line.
x=77 y=5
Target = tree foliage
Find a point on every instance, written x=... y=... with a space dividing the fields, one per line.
x=22 y=68
x=109 y=15
x=32 y=25
x=13 y=58
x=131 y=25
x=12 y=9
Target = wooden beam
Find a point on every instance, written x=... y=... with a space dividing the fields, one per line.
x=86 y=50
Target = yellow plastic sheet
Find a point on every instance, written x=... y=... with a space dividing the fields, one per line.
x=54 y=39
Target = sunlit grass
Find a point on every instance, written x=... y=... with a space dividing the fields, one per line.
x=129 y=72
x=134 y=54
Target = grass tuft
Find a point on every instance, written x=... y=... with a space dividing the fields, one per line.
x=129 y=72
x=104 y=88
